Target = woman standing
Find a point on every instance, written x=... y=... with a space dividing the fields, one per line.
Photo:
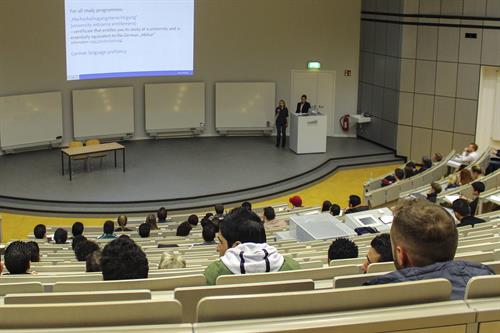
x=281 y=117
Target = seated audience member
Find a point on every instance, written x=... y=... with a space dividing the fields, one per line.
x=342 y=248
x=462 y=211
x=151 y=220
x=325 y=207
x=426 y=164
x=355 y=205
x=122 y=221
x=469 y=155
x=93 y=262
x=85 y=248
x=209 y=218
x=335 y=210
x=17 y=258
x=437 y=157
x=453 y=181
x=398 y=175
x=193 y=220
x=76 y=240
x=476 y=172
x=494 y=164
x=465 y=177
x=243 y=248
x=162 y=215
x=60 y=236
x=424 y=242
x=77 y=229
x=170 y=261
x=270 y=220
x=247 y=205
x=477 y=189
x=184 y=229
x=380 y=251
x=40 y=231
x=219 y=212
x=108 y=230
x=434 y=191
x=410 y=169
x=208 y=234
x=123 y=259
x=144 y=230
x=34 y=250
x=295 y=201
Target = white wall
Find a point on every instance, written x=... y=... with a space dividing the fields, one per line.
x=236 y=40
x=489 y=107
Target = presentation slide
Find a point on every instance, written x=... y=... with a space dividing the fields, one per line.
x=129 y=38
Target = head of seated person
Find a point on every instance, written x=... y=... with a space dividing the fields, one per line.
x=40 y=231
x=478 y=188
x=77 y=229
x=247 y=205
x=471 y=147
x=93 y=262
x=144 y=230
x=122 y=221
x=409 y=172
x=84 y=248
x=342 y=248
x=399 y=174
x=108 y=230
x=325 y=207
x=171 y=261
x=476 y=172
x=76 y=240
x=465 y=177
x=295 y=201
x=452 y=181
x=17 y=258
x=161 y=214
x=184 y=229
x=34 y=251
x=243 y=248
x=355 y=204
x=380 y=251
x=208 y=234
x=434 y=191
x=269 y=214
x=151 y=220
x=437 y=157
x=335 y=210
x=424 y=242
x=123 y=259
x=219 y=209
x=60 y=236
x=426 y=162
x=193 y=220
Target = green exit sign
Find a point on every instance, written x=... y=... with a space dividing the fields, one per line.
x=313 y=65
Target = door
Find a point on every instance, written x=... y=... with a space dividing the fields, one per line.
x=319 y=86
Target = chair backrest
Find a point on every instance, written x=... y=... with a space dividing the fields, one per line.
x=189 y=297
x=78 y=297
x=222 y=308
x=353 y=280
x=153 y=284
x=49 y=278
x=476 y=257
x=315 y=274
x=483 y=287
x=18 y=288
x=71 y=315
x=75 y=144
x=92 y=142
x=381 y=267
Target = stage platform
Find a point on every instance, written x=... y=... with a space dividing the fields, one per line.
x=177 y=173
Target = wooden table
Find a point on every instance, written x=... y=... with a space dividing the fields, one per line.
x=89 y=150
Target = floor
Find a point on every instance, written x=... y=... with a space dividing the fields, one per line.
x=178 y=173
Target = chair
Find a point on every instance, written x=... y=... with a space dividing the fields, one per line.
x=381 y=267
x=26 y=287
x=153 y=284
x=353 y=280
x=85 y=158
x=483 y=287
x=221 y=308
x=69 y=315
x=93 y=142
x=315 y=274
x=483 y=296
x=189 y=297
x=78 y=297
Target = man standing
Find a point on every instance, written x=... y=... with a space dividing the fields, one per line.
x=303 y=106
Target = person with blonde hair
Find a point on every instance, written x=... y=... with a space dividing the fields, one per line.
x=453 y=181
x=169 y=261
x=281 y=119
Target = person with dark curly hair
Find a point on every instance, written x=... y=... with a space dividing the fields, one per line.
x=342 y=248
x=123 y=259
x=380 y=251
x=84 y=248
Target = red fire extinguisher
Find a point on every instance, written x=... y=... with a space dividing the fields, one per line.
x=344 y=122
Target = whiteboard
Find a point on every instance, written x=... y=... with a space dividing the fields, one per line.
x=248 y=105
x=174 y=106
x=30 y=120
x=99 y=113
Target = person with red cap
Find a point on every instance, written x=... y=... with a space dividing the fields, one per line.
x=296 y=201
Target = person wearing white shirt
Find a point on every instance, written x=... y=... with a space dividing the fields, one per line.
x=470 y=154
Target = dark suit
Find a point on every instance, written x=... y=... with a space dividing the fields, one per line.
x=473 y=206
x=470 y=220
x=305 y=108
x=281 y=124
